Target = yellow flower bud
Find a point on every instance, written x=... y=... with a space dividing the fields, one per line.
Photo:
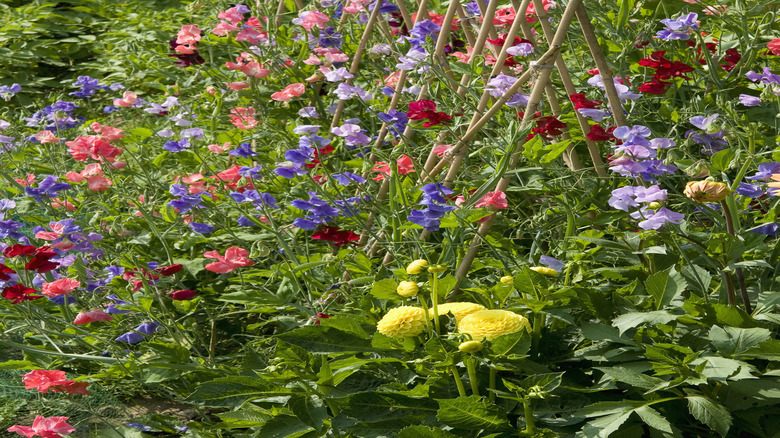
x=490 y=324
x=437 y=269
x=706 y=191
x=507 y=280
x=654 y=205
x=458 y=310
x=407 y=289
x=416 y=266
x=470 y=346
x=544 y=270
x=402 y=322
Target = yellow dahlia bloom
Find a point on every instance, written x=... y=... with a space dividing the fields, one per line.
x=507 y=280
x=774 y=185
x=402 y=322
x=706 y=191
x=470 y=346
x=458 y=310
x=407 y=289
x=416 y=266
x=544 y=270
x=490 y=324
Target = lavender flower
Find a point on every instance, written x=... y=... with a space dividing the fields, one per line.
x=7 y=92
x=678 y=29
x=748 y=100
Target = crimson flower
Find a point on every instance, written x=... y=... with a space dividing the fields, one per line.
x=426 y=110
x=597 y=133
x=548 y=126
x=40 y=262
x=732 y=58
x=167 y=271
x=335 y=235
x=183 y=295
x=18 y=293
x=580 y=101
x=4 y=271
x=655 y=86
x=19 y=249
x=664 y=68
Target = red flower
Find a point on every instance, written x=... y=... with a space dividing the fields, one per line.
x=18 y=293
x=320 y=316
x=774 y=46
x=317 y=154
x=18 y=249
x=167 y=271
x=655 y=86
x=233 y=258
x=580 y=101
x=54 y=380
x=4 y=271
x=664 y=68
x=40 y=262
x=335 y=235
x=548 y=126
x=426 y=110
x=597 y=133
x=92 y=316
x=732 y=58
x=183 y=295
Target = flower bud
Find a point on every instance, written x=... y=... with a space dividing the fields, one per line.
x=470 y=346
x=437 y=269
x=507 y=280
x=654 y=205
x=407 y=289
x=706 y=191
x=544 y=270
x=699 y=169
x=416 y=266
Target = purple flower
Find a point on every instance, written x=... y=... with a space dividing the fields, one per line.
x=593 y=114
x=352 y=134
x=6 y=92
x=656 y=219
x=201 y=228
x=768 y=229
x=139 y=426
x=345 y=92
x=623 y=198
x=767 y=77
x=195 y=133
x=299 y=156
x=330 y=38
x=748 y=100
x=702 y=122
x=344 y=179
x=650 y=194
x=421 y=31
x=434 y=191
x=7 y=204
x=412 y=58
x=662 y=143
x=148 y=328
x=306 y=129
x=289 y=170
x=635 y=135
x=130 y=338
x=396 y=121
x=522 y=49
x=308 y=111
x=338 y=75
x=176 y=146
x=244 y=150
x=750 y=190
x=552 y=262
x=765 y=171
x=251 y=172
x=678 y=29
x=420 y=217
x=49 y=187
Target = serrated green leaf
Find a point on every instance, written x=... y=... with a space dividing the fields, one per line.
x=326 y=340
x=385 y=289
x=232 y=391
x=472 y=413
x=309 y=409
x=630 y=377
x=634 y=319
x=423 y=432
x=652 y=418
x=734 y=340
x=710 y=413
x=665 y=286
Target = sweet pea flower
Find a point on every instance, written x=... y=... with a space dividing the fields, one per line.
x=289 y=92
x=234 y=257
x=46 y=427
x=493 y=201
x=92 y=316
x=748 y=100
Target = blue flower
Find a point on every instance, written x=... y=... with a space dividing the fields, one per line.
x=148 y=328
x=173 y=146
x=130 y=338
x=244 y=150
x=344 y=179
x=201 y=228
x=49 y=187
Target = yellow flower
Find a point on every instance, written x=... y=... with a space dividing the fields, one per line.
x=458 y=310
x=470 y=346
x=774 y=185
x=507 y=280
x=416 y=266
x=437 y=269
x=544 y=270
x=402 y=322
x=706 y=191
x=490 y=324
x=407 y=289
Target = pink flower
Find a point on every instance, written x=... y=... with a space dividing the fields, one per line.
x=223 y=28
x=405 y=165
x=311 y=19
x=127 y=100
x=92 y=316
x=774 y=46
x=232 y=15
x=312 y=60
x=290 y=91
x=97 y=183
x=441 y=149
x=188 y=34
x=92 y=146
x=233 y=258
x=107 y=132
x=217 y=149
x=493 y=201
x=60 y=287
x=237 y=85
x=252 y=36
x=243 y=118
x=46 y=137
x=42 y=380
x=74 y=177
x=51 y=427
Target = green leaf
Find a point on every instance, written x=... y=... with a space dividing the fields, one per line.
x=721 y=161
x=385 y=289
x=665 y=286
x=284 y=426
x=625 y=8
x=423 y=432
x=472 y=413
x=652 y=418
x=233 y=391
x=244 y=418
x=375 y=407
x=634 y=319
x=734 y=340
x=515 y=344
x=769 y=349
x=710 y=413
x=326 y=340
x=309 y=409
x=249 y=296
x=630 y=377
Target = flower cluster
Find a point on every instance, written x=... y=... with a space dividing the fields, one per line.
x=648 y=199
x=664 y=70
x=711 y=139
x=53 y=380
x=433 y=200
x=635 y=155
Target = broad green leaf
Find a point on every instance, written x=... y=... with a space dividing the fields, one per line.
x=424 y=432
x=634 y=319
x=652 y=418
x=710 y=413
x=284 y=426
x=630 y=377
x=232 y=391
x=515 y=344
x=723 y=368
x=249 y=296
x=734 y=340
x=244 y=418
x=326 y=340
x=309 y=409
x=665 y=286
x=769 y=349
x=370 y=407
x=721 y=161
x=385 y=289
x=472 y=413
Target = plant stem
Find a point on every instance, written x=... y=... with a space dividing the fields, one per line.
x=471 y=367
x=727 y=213
x=435 y=302
x=537 y=333
x=530 y=426
x=492 y=385
x=458 y=381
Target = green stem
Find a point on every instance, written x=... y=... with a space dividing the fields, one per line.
x=458 y=381
x=537 y=333
x=435 y=302
x=492 y=385
x=530 y=425
x=425 y=313
x=728 y=212
x=471 y=367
